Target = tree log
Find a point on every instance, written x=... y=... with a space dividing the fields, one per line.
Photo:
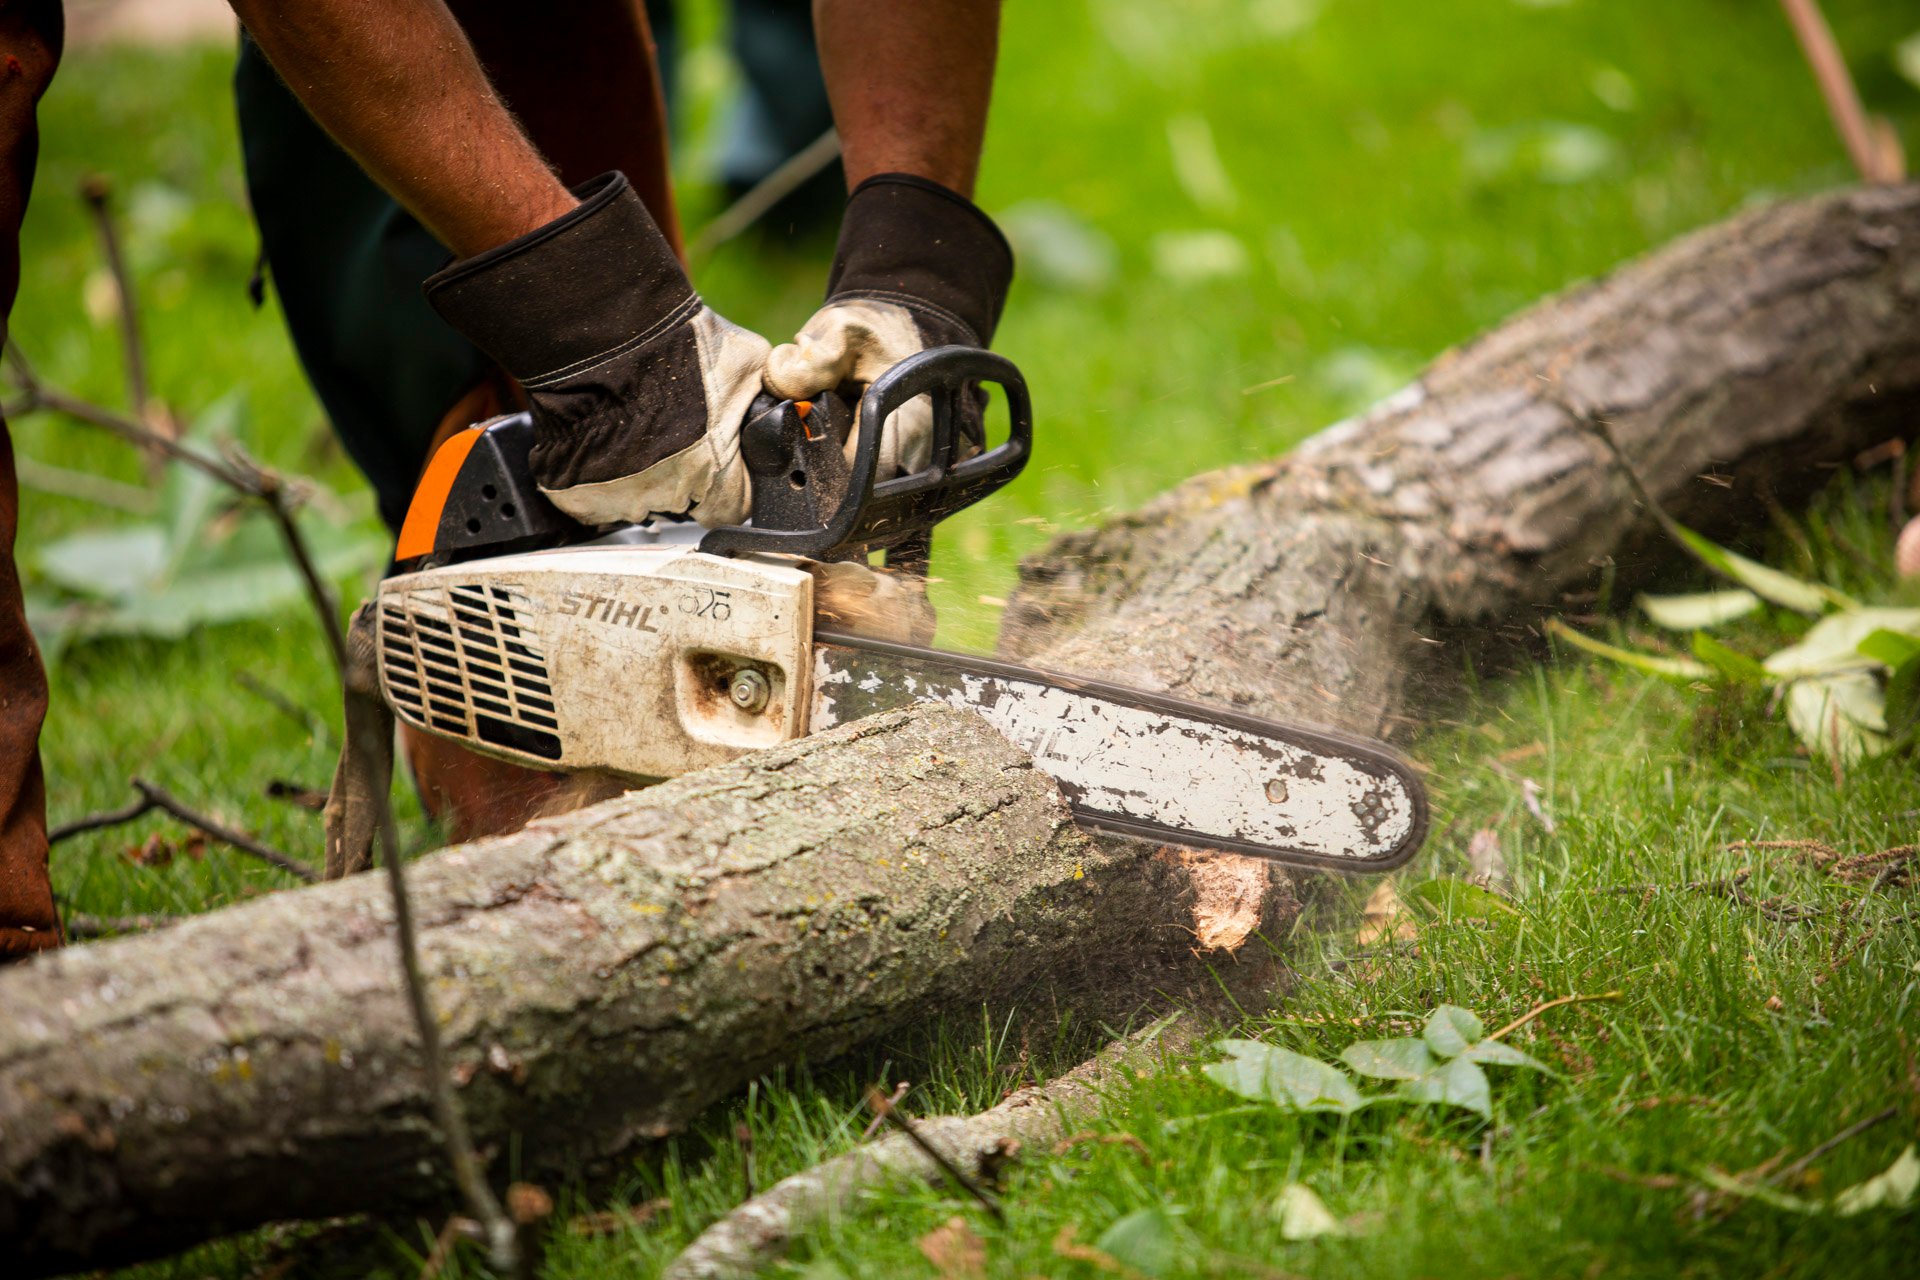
x=605 y=976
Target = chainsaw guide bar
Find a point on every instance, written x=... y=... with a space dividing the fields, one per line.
x=1156 y=768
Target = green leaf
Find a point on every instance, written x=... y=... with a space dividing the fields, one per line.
x=1906 y=59
x=1730 y=663
x=1705 y=609
x=1463 y=900
x=107 y=564
x=1402 y=1059
x=1144 y=1240
x=1903 y=696
x=1844 y=715
x=1769 y=584
x=1450 y=1029
x=1059 y=248
x=1291 y=1081
x=1498 y=1053
x=1833 y=643
x=1893 y=1188
x=1652 y=663
x=211 y=596
x=1458 y=1084
x=1303 y=1216
x=1891 y=649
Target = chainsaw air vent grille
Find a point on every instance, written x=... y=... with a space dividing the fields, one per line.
x=467 y=662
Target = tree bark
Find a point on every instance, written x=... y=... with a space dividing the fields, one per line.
x=605 y=976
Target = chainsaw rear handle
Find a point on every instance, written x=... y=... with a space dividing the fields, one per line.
x=903 y=509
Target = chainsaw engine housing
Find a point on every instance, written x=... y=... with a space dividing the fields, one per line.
x=645 y=661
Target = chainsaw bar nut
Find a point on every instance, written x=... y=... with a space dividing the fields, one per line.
x=749 y=690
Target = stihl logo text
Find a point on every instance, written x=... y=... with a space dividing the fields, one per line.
x=607 y=609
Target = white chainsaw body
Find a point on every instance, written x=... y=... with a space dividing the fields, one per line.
x=643 y=660
x=649 y=659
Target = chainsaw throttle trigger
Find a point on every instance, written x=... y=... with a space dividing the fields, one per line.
x=871 y=515
x=794 y=458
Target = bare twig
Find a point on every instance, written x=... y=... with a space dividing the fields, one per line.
x=503 y=1238
x=238 y=472
x=1875 y=154
x=873 y=1125
x=452 y=1232
x=85 y=486
x=156 y=797
x=1539 y=1009
x=95 y=191
x=765 y=194
x=161 y=798
x=280 y=702
x=296 y=795
x=878 y=1103
x=609 y=1222
x=1847 y=1134
x=271 y=488
x=95 y=821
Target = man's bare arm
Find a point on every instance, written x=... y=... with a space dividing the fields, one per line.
x=397 y=85
x=910 y=84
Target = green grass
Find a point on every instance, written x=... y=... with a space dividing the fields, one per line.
x=1390 y=179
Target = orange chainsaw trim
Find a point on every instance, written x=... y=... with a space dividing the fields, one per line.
x=422 y=524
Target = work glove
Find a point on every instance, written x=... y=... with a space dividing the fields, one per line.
x=917 y=266
x=638 y=388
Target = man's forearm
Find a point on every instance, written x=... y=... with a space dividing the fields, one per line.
x=909 y=84
x=397 y=85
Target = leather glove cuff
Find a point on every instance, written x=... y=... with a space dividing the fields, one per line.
x=591 y=285
x=911 y=241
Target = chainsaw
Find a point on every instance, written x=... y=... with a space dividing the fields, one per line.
x=648 y=650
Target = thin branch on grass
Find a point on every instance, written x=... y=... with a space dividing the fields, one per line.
x=880 y=1106
x=156 y=797
x=280 y=702
x=237 y=471
x=768 y=192
x=1871 y=143
x=1847 y=1134
x=296 y=795
x=95 y=192
x=873 y=1125
x=452 y=1232
x=84 y=486
x=505 y=1251
x=1539 y=1009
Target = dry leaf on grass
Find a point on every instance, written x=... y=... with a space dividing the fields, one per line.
x=1385 y=918
x=954 y=1250
x=1065 y=1247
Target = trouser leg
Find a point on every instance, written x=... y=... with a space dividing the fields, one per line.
x=30 y=36
x=347 y=263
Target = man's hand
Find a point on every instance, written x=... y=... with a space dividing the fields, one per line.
x=918 y=266
x=639 y=389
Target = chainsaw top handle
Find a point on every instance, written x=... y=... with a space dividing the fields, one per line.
x=478 y=496
x=796 y=470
